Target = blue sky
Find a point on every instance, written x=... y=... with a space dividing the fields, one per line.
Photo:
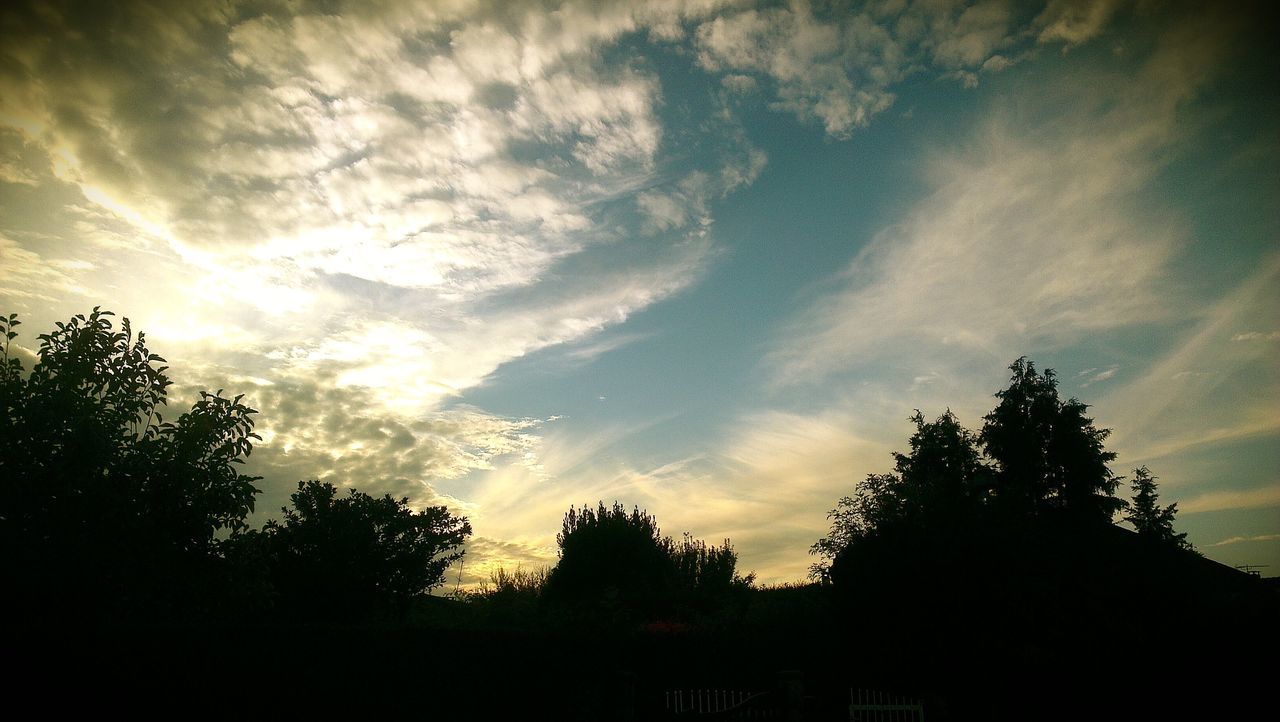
x=703 y=257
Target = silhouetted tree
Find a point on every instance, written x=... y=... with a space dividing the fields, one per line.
x=938 y=485
x=1048 y=454
x=621 y=562
x=1149 y=519
x=106 y=507
x=707 y=570
x=611 y=556
x=353 y=557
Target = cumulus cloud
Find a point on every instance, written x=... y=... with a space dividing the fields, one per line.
x=354 y=216
x=840 y=66
x=304 y=163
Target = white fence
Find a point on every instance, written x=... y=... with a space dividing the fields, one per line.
x=726 y=703
x=866 y=705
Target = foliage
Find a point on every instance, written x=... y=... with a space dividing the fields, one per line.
x=1149 y=519
x=620 y=560
x=1048 y=454
x=1036 y=455
x=942 y=477
x=611 y=553
x=102 y=495
x=706 y=569
x=520 y=582
x=359 y=555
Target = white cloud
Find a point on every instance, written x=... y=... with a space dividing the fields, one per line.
x=1036 y=231
x=1019 y=241
x=1075 y=21
x=836 y=74
x=1169 y=407
x=1094 y=376
x=840 y=66
x=25 y=274
x=1239 y=539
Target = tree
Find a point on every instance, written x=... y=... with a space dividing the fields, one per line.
x=1048 y=454
x=108 y=509
x=609 y=554
x=1149 y=519
x=936 y=486
x=706 y=570
x=359 y=556
x=620 y=560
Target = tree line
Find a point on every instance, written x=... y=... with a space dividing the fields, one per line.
x=1037 y=459
x=114 y=510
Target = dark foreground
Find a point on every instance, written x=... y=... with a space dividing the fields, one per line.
x=457 y=660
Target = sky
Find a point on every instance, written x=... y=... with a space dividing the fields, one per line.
x=704 y=257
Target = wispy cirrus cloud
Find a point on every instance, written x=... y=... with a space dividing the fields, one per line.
x=1239 y=539
x=1036 y=232
x=1256 y=336
x=1231 y=499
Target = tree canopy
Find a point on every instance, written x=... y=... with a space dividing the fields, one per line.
x=1036 y=455
x=940 y=481
x=102 y=495
x=357 y=555
x=110 y=513
x=1047 y=453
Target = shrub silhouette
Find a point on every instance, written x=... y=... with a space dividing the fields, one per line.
x=620 y=564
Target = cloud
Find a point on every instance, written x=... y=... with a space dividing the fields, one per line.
x=767 y=485
x=1035 y=232
x=26 y=275
x=355 y=217
x=1169 y=406
x=392 y=188
x=1069 y=245
x=1231 y=499
x=1075 y=21
x=314 y=428
x=840 y=67
x=1257 y=336
x=812 y=63
x=1093 y=376
x=1239 y=539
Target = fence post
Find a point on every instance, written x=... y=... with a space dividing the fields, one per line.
x=791 y=685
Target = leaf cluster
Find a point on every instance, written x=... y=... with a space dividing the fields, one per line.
x=100 y=491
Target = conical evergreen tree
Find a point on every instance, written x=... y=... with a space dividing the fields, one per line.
x=1151 y=520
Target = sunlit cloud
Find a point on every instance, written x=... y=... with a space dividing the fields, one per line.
x=367 y=216
x=1225 y=500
